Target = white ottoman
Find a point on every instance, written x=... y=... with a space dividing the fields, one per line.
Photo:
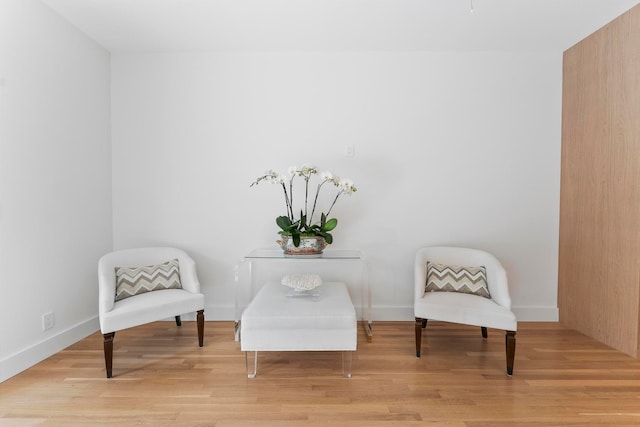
x=280 y=320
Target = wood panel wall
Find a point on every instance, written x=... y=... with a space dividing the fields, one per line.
x=599 y=253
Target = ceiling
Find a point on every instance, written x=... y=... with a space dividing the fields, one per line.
x=338 y=25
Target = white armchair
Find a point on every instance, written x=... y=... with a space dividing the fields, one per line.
x=150 y=306
x=464 y=308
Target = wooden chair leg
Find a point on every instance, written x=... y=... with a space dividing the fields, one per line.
x=200 y=319
x=484 y=332
x=420 y=324
x=108 y=352
x=510 y=342
x=178 y=321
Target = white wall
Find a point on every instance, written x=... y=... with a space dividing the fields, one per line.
x=450 y=148
x=55 y=181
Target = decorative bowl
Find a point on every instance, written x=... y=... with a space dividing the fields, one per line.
x=309 y=246
x=302 y=282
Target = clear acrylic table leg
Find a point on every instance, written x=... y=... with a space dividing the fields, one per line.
x=347 y=358
x=252 y=365
x=237 y=314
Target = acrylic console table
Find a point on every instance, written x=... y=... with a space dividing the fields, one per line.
x=261 y=266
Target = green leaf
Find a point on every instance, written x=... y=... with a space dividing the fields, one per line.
x=296 y=239
x=284 y=223
x=330 y=225
x=303 y=222
x=328 y=237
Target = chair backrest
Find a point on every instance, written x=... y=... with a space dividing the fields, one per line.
x=496 y=274
x=141 y=257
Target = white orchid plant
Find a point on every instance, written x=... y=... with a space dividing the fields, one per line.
x=304 y=226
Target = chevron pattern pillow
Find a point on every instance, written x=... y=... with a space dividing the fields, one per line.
x=456 y=278
x=132 y=281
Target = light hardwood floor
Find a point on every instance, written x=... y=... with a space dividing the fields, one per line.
x=162 y=378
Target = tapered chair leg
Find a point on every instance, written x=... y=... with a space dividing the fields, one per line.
x=510 y=343
x=108 y=352
x=178 y=321
x=420 y=324
x=200 y=320
x=484 y=331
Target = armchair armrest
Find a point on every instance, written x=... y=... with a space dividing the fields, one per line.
x=106 y=291
x=141 y=257
x=189 y=275
x=496 y=274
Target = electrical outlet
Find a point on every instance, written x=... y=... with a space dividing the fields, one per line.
x=348 y=150
x=48 y=321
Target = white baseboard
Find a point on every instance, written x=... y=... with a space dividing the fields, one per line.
x=399 y=313
x=216 y=313
x=24 y=359
x=225 y=313
x=536 y=314
x=392 y=313
x=523 y=314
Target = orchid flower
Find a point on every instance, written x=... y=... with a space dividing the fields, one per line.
x=295 y=227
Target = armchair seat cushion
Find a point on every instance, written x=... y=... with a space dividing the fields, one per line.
x=149 y=307
x=465 y=309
